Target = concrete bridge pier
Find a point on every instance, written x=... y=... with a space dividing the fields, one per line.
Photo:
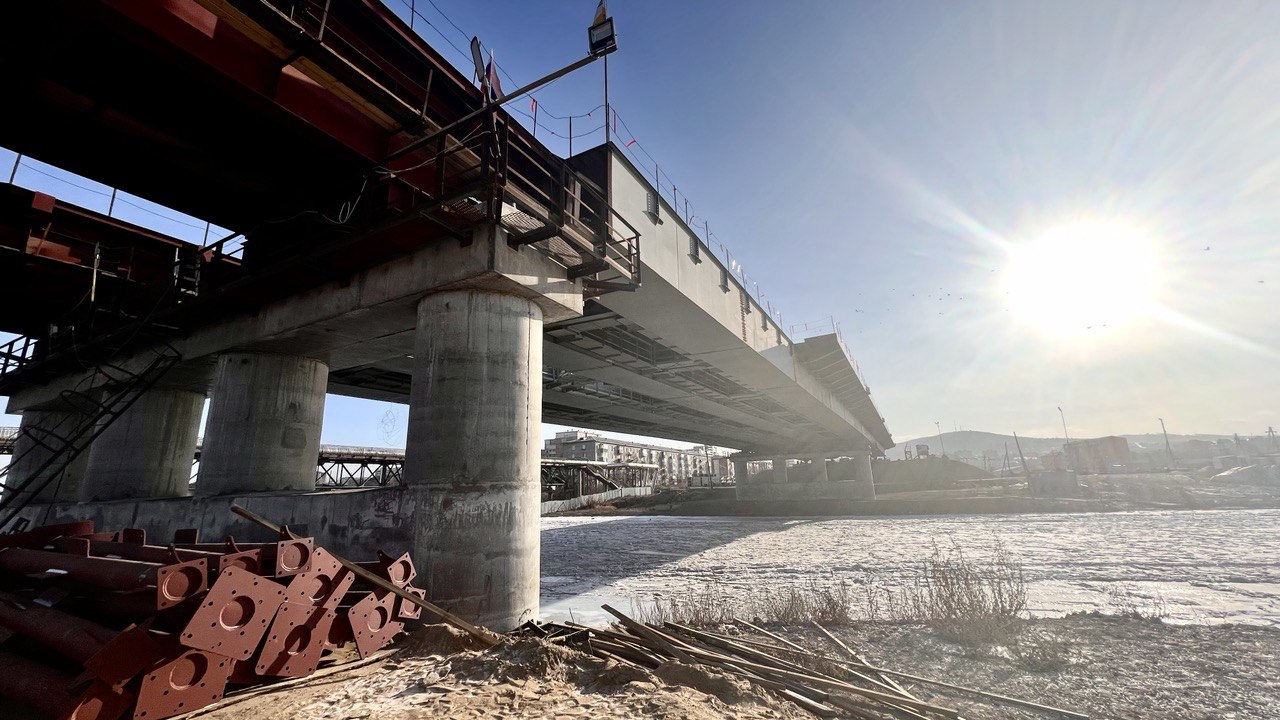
x=28 y=455
x=147 y=452
x=819 y=468
x=475 y=412
x=263 y=431
x=866 y=486
x=779 y=469
x=740 y=471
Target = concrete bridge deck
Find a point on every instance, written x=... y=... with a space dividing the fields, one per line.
x=398 y=239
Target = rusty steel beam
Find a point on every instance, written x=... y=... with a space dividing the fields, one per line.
x=68 y=635
x=286 y=557
x=51 y=692
x=41 y=536
x=173 y=583
x=135 y=551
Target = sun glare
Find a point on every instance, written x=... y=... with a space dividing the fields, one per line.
x=1083 y=277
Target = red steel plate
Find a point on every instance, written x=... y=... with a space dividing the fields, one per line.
x=323 y=585
x=406 y=610
x=295 y=641
x=373 y=623
x=188 y=681
x=234 y=615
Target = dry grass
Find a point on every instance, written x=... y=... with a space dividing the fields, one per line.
x=970 y=602
x=715 y=605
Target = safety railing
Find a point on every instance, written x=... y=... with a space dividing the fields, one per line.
x=16 y=354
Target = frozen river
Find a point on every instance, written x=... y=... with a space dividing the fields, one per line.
x=1202 y=566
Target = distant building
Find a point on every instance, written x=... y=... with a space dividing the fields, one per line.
x=1098 y=455
x=704 y=463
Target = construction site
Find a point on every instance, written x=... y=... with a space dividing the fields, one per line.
x=375 y=221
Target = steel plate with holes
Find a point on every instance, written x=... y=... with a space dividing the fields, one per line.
x=295 y=641
x=399 y=571
x=234 y=615
x=250 y=560
x=323 y=585
x=373 y=623
x=179 y=581
x=188 y=681
x=406 y=610
x=293 y=555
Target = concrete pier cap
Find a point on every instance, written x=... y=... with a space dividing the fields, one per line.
x=475 y=415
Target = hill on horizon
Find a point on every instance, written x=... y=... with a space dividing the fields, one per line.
x=977 y=441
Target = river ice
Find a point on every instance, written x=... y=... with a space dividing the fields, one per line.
x=1192 y=566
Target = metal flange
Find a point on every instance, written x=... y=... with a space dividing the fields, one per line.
x=234 y=615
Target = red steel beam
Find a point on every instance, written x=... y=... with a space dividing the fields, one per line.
x=174 y=582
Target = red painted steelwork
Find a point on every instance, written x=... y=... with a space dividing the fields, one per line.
x=68 y=635
x=173 y=583
x=234 y=615
x=41 y=536
x=50 y=691
x=295 y=641
x=373 y=623
x=187 y=680
x=323 y=585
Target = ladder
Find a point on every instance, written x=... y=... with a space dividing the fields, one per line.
x=109 y=391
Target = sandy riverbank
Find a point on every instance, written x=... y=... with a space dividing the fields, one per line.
x=1105 y=667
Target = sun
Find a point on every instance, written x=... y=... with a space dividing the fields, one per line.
x=1083 y=277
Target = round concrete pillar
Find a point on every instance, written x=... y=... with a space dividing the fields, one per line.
x=862 y=475
x=820 y=468
x=146 y=452
x=475 y=427
x=263 y=431
x=29 y=455
x=779 y=470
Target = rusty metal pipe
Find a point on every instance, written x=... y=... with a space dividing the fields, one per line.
x=174 y=583
x=64 y=633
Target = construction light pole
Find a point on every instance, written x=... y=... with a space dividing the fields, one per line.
x=943 y=445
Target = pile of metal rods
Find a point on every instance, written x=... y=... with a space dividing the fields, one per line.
x=825 y=686
x=98 y=625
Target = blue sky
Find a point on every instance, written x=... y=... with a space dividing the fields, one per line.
x=882 y=164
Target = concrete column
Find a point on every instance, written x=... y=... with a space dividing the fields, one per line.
x=147 y=451
x=263 y=431
x=740 y=472
x=475 y=412
x=29 y=455
x=862 y=476
x=780 y=470
x=819 y=468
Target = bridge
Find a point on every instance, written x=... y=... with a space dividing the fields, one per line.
x=394 y=236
